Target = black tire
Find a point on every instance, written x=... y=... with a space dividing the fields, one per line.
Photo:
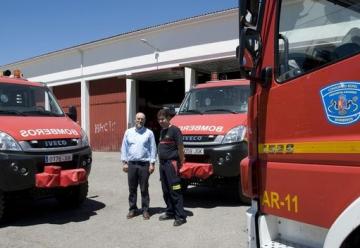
x=73 y=196
x=353 y=240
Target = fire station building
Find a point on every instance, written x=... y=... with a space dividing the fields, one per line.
x=111 y=79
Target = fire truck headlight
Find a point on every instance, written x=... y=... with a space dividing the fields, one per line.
x=237 y=134
x=8 y=143
x=84 y=139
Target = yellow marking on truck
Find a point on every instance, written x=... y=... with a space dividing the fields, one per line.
x=310 y=147
x=273 y=200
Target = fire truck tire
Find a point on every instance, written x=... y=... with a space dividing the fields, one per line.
x=353 y=240
x=73 y=196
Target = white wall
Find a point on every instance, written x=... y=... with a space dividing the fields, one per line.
x=202 y=38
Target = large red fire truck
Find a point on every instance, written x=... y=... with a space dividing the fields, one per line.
x=303 y=169
x=212 y=118
x=42 y=151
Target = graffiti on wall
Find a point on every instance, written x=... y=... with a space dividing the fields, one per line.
x=105 y=127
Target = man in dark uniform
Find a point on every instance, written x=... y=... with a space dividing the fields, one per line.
x=171 y=156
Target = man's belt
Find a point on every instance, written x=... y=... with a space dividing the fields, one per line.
x=142 y=163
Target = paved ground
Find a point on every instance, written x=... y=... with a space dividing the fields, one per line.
x=215 y=218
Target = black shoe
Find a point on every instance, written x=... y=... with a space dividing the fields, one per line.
x=166 y=217
x=131 y=214
x=179 y=222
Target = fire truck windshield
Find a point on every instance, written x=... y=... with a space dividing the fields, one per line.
x=27 y=100
x=215 y=100
x=313 y=33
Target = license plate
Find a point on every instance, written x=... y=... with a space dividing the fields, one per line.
x=58 y=158
x=194 y=151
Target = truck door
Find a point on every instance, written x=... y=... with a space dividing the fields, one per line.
x=309 y=110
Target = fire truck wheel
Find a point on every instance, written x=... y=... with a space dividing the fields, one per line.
x=73 y=196
x=353 y=240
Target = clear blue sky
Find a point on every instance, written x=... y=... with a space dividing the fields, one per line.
x=35 y=27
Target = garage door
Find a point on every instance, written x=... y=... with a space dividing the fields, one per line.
x=69 y=95
x=107 y=113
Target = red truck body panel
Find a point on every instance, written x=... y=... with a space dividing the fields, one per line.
x=38 y=127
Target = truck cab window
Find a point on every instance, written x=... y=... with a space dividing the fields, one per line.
x=216 y=100
x=28 y=100
x=323 y=32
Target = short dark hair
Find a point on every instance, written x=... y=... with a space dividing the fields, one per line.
x=164 y=113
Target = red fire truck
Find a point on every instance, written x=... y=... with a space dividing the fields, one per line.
x=42 y=151
x=303 y=169
x=212 y=118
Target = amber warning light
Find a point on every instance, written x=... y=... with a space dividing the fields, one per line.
x=16 y=73
x=6 y=73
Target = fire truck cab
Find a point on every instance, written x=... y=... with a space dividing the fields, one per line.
x=42 y=150
x=212 y=118
x=302 y=173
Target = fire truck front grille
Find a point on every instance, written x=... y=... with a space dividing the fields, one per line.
x=50 y=145
x=202 y=139
x=53 y=143
x=199 y=138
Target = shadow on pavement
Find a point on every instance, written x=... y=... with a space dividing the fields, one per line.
x=211 y=197
x=28 y=213
x=158 y=211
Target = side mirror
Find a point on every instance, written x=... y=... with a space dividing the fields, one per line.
x=248 y=51
x=246 y=62
x=72 y=113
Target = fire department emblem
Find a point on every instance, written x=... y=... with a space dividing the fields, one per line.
x=341 y=102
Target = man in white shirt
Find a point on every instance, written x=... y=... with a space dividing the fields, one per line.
x=138 y=154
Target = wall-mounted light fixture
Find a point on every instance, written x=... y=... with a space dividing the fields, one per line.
x=156 y=50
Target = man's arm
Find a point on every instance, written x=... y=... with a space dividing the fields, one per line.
x=180 y=146
x=181 y=153
x=123 y=151
x=152 y=148
x=152 y=152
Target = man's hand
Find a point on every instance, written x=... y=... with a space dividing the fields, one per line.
x=182 y=161
x=151 y=168
x=125 y=167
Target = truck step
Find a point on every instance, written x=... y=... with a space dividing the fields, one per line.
x=279 y=243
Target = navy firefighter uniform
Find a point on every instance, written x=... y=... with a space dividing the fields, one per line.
x=170 y=139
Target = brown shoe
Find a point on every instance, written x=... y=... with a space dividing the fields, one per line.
x=146 y=215
x=131 y=214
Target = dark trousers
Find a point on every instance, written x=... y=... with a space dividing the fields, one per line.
x=138 y=174
x=171 y=187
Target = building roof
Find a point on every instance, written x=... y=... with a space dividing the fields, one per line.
x=129 y=33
